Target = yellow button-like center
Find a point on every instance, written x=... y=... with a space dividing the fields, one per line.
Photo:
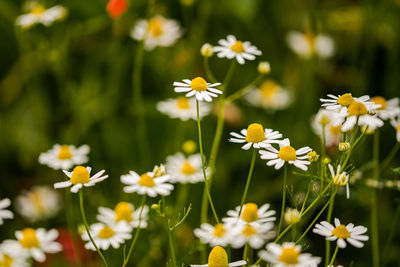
x=287 y=153
x=269 y=88
x=155 y=27
x=357 y=109
x=255 y=133
x=64 y=153
x=198 y=84
x=146 y=180
x=379 y=101
x=250 y=212
x=38 y=10
x=187 y=168
x=248 y=230
x=290 y=256
x=36 y=199
x=345 y=100
x=335 y=130
x=80 y=175
x=29 y=238
x=219 y=230
x=123 y=212
x=106 y=232
x=218 y=257
x=341 y=232
x=324 y=120
x=7 y=261
x=238 y=47
x=182 y=103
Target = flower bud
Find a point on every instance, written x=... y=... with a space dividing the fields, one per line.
x=264 y=67
x=313 y=156
x=292 y=216
x=206 y=50
x=327 y=160
x=344 y=146
x=189 y=147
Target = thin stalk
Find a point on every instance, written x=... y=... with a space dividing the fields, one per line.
x=306 y=198
x=334 y=256
x=327 y=242
x=253 y=161
x=71 y=226
x=245 y=252
x=374 y=203
x=87 y=227
x=228 y=76
x=170 y=240
x=393 y=229
x=283 y=197
x=323 y=150
x=209 y=73
x=390 y=156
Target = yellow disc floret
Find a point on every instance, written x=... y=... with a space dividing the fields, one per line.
x=80 y=175
x=106 y=232
x=345 y=100
x=187 y=168
x=146 y=180
x=341 y=232
x=7 y=261
x=379 y=101
x=64 y=153
x=289 y=256
x=248 y=230
x=250 y=212
x=238 y=47
x=123 y=212
x=155 y=27
x=182 y=103
x=29 y=238
x=198 y=84
x=219 y=230
x=38 y=10
x=218 y=257
x=287 y=153
x=269 y=88
x=357 y=109
x=255 y=133
x=335 y=130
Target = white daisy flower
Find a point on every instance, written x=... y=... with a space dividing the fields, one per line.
x=288 y=255
x=105 y=235
x=330 y=121
x=340 y=178
x=80 y=177
x=233 y=48
x=286 y=153
x=198 y=87
x=185 y=169
x=388 y=109
x=39 y=14
x=255 y=136
x=183 y=108
x=359 y=113
x=219 y=258
x=35 y=243
x=344 y=101
x=158 y=31
x=124 y=212
x=64 y=156
x=270 y=96
x=10 y=257
x=306 y=45
x=342 y=233
x=4 y=213
x=39 y=203
x=218 y=235
x=251 y=214
x=396 y=125
x=253 y=234
x=150 y=183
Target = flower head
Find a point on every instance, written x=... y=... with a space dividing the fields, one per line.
x=396 y=125
x=64 y=156
x=388 y=109
x=253 y=234
x=217 y=235
x=80 y=177
x=4 y=213
x=270 y=96
x=11 y=257
x=124 y=212
x=292 y=216
x=328 y=122
x=183 y=108
x=264 y=67
x=233 y=48
x=306 y=45
x=107 y=235
x=198 y=87
x=185 y=169
x=255 y=136
x=340 y=178
x=206 y=50
x=251 y=214
x=39 y=14
x=219 y=258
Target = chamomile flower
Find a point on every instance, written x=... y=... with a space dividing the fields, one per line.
x=253 y=234
x=183 y=108
x=359 y=113
x=255 y=136
x=219 y=258
x=80 y=177
x=39 y=14
x=185 y=169
x=251 y=214
x=388 y=109
x=10 y=257
x=217 y=235
x=329 y=121
x=396 y=125
x=340 y=102
x=286 y=153
x=4 y=213
x=288 y=255
x=39 y=203
x=233 y=48
x=270 y=96
x=150 y=183
x=306 y=45
x=340 y=178
x=158 y=31
x=198 y=87
x=64 y=156
x=35 y=243
x=107 y=235
x=342 y=233
x=124 y=212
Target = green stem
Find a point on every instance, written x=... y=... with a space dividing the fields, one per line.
x=283 y=197
x=328 y=219
x=306 y=198
x=209 y=73
x=245 y=252
x=170 y=240
x=389 y=158
x=87 y=226
x=71 y=226
x=334 y=256
x=253 y=160
x=228 y=76
x=323 y=148
x=136 y=233
x=374 y=203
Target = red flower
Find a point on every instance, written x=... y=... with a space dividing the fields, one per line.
x=116 y=8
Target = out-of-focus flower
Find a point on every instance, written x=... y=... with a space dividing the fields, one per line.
x=39 y=203
x=184 y=170
x=255 y=136
x=388 y=109
x=80 y=177
x=344 y=146
x=233 y=48
x=198 y=87
x=264 y=67
x=342 y=233
x=218 y=235
x=218 y=257
x=206 y=50
x=374 y=183
x=64 y=156
x=292 y=216
x=340 y=178
x=116 y=8
x=327 y=160
x=10 y=257
x=396 y=124
x=253 y=234
x=270 y=96
x=4 y=213
x=124 y=212
x=189 y=147
x=39 y=14
x=107 y=235
x=312 y=156
x=329 y=121
x=183 y=108
x=306 y=45
x=251 y=214
x=158 y=31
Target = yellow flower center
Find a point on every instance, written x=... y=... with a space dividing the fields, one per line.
x=36 y=199
x=287 y=153
x=335 y=130
x=398 y=128
x=324 y=120
x=38 y=10
x=182 y=103
x=29 y=238
x=341 y=232
x=340 y=179
x=198 y=84
x=146 y=180
x=345 y=100
x=155 y=27
x=218 y=257
x=106 y=232
x=187 y=168
x=357 y=109
x=248 y=230
x=250 y=212
x=379 y=101
x=7 y=261
x=123 y=212
x=255 y=133
x=219 y=230
x=290 y=256
x=64 y=153
x=80 y=175
x=269 y=88
x=238 y=47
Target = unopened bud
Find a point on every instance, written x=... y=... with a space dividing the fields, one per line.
x=189 y=147
x=155 y=207
x=206 y=50
x=264 y=67
x=292 y=216
x=344 y=146
x=313 y=156
x=327 y=160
